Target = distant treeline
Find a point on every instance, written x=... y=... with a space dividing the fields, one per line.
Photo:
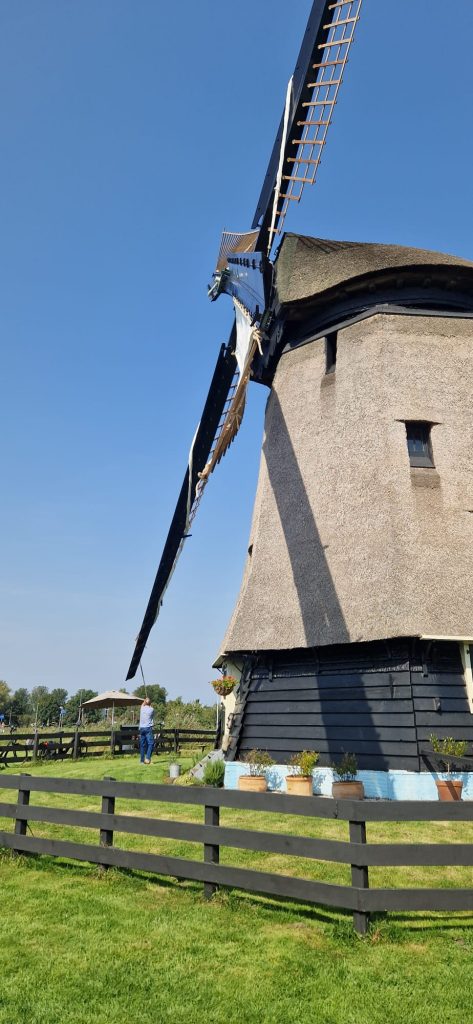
x=43 y=707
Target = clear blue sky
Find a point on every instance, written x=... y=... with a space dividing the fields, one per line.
x=132 y=133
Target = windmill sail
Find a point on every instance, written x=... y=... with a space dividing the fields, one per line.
x=302 y=134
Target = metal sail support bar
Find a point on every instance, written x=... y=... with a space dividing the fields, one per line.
x=190 y=493
x=316 y=81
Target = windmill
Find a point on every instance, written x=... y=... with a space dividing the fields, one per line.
x=339 y=641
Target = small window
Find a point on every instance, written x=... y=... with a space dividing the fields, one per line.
x=419 y=444
x=331 y=352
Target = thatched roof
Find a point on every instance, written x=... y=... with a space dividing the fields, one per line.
x=308 y=266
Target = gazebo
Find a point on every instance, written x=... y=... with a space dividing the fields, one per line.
x=112 y=699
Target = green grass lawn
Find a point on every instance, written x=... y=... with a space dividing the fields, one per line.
x=81 y=945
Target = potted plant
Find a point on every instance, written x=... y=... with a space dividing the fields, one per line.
x=449 y=749
x=214 y=773
x=258 y=761
x=346 y=786
x=299 y=781
x=224 y=685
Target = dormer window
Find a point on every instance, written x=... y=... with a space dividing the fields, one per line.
x=419 y=443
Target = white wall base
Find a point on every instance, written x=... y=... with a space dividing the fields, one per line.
x=389 y=785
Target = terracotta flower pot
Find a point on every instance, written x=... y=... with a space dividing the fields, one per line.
x=348 y=790
x=449 y=789
x=299 y=784
x=253 y=783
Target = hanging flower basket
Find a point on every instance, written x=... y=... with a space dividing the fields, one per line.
x=224 y=685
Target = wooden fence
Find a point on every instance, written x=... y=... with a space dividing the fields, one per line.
x=20 y=747
x=357 y=852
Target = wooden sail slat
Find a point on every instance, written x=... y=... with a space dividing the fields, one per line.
x=299 y=160
x=302 y=124
x=328 y=63
x=317 y=85
x=335 y=42
x=343 y=21
x=291 y=177
x=319 y=103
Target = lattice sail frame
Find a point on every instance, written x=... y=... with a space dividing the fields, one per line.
x=328 y=77
x=235 y=241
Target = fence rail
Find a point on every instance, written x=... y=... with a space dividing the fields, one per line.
x=20 y=747
x=357 y=852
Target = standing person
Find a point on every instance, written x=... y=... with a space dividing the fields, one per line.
x=146 y=731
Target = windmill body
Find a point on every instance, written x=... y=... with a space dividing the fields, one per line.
x=353 y=619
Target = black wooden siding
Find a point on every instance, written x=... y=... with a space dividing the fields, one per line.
x=379 y=701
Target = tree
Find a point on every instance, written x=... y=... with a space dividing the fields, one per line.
x=192 y=715
x=157 y=694
x=52 y=704
x=5 y=697
x=39 y=696
x=73 y=705
x=20 y=707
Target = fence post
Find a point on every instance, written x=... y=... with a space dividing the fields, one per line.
x=176 y=741
x=211 y=850
x=21 y=824
x=112 y=743
x=76 y=745
x=35 y=746
x=359 y=876
x=108 y=807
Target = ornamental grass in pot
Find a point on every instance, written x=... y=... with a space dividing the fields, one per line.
x=449 y=749
x=346 y=786
x=258 y=762
x=224 y=685
x=299 y=780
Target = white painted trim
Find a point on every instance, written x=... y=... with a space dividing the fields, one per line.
x=459 y=639
x=467 y=672
x=465 y=643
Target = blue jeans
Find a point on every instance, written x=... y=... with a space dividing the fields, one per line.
x=146 y=744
